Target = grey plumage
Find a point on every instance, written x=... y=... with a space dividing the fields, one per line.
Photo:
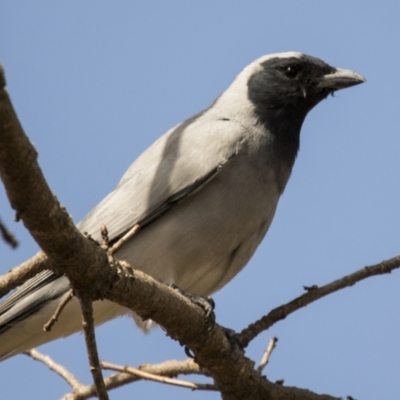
x=204 y=193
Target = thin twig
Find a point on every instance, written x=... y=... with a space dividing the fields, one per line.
x=90 y=338
x=8 y=236
x=267 y=354
x=59 y=369
x=281 y=312
x=168 y=368
x=125 y=238
x=104 y=234
x=158 y=378
x=63 y=302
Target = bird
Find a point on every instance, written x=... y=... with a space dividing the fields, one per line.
x=204 y=195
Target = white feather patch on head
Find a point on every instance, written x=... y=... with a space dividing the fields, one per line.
x=234 y=102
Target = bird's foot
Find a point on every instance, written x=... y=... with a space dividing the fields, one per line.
x=206 y=303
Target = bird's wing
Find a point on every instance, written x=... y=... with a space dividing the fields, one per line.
x=31 y=297
x=173 y=168
x=178 y=164
x=32 y=285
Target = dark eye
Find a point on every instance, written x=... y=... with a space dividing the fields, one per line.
x=291 y=72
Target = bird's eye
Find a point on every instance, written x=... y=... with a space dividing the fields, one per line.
x=291 y=72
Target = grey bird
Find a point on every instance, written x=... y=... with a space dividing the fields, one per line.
x=204 y=194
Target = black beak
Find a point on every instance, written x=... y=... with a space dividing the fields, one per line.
x=340 y=79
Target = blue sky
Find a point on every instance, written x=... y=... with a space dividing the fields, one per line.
x=96 y=82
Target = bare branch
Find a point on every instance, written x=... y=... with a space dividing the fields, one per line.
x=59 y=369
x=157 y=378
x=63 y=302
x=267 y=354
x=173 y=368
x=90 y=339
x=20 y=274
x=168 y=368
x=80 y=391
x=125 y=238
x=281 y=312
x=8 y=236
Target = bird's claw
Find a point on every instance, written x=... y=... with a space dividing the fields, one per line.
x=206 y=303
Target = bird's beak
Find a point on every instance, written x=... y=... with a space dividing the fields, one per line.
x=340 y=79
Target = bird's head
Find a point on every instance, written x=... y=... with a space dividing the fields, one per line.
x=294 y=81
x=278 y=90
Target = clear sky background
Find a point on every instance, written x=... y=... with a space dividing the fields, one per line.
x=96 y=82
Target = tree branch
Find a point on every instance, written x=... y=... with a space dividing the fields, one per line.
x=63 y=302
x=58 y=368
x=168 y=368
x=91 y=346
x=7 y=236
x=80 y=392
x=267 y=354
x=20 y=274
x=157 y=378
x=132 y=232
x=281 y=312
